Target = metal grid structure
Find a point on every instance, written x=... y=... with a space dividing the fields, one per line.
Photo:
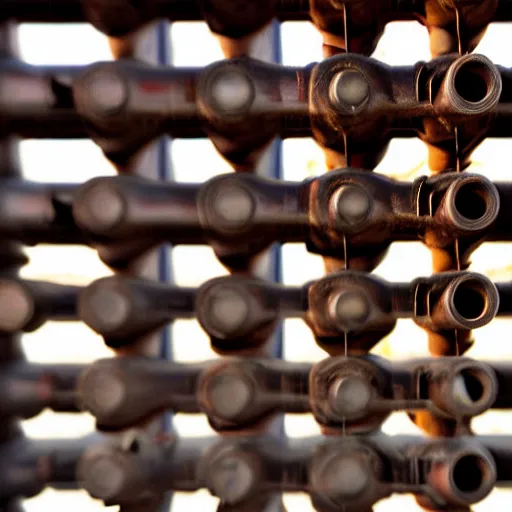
x=155 y=48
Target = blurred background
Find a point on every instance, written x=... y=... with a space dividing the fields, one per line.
x=196 y=161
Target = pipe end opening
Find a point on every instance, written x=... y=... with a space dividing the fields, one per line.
x=472 y=477
x=470 y=300
x=475 y=204
x=475 y=85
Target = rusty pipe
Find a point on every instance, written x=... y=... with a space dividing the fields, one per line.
x=470 y=90
x=464 y=476
x=469 y=301
x=472 y=86
x=465 y=388
x=470 y=205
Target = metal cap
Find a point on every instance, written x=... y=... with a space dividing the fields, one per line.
x=105 y=310
x=230 y=91
x=349 y=90
x=104 y=477
x=100 y=207
x=107 y=91
x=350 y=309
x=346 y=477
x=350 y=396
x=229 y=395
x=232 y=207
x=225 y=312
x=232 y=477
x=352 y=205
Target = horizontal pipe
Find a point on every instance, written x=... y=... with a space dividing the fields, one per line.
x=28 y=389
x=236 y=310
x=29 y=466
x=243 y=214
x=379 y=466
x=354 y=394
x=346 y=204
x=120 y=469
x=145 y=102
x=33 y=303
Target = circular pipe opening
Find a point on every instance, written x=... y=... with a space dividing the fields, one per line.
x=474 y=384
x=473 y=390
x=473 y=85
x=472 y=203
x=472 y=81
x=470 y=300
x=470 y=387
x=470 y=473
x=472 y=200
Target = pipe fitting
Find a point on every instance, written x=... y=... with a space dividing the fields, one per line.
x=464 y=477
x=471 y=204
x=472 y=86
x=469 y=301
x=463 y=389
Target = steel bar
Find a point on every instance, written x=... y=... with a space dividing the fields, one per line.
x=239 y=313
x=242 y=312
x=347 y=473
x=351 y=208
x=28 y=466
x=123 y=105
x=351 y=395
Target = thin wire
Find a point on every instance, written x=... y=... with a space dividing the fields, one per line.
x=458 y=27
x=346 y=262
x=345 y=27
x=458 y=169
x=346 y=265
